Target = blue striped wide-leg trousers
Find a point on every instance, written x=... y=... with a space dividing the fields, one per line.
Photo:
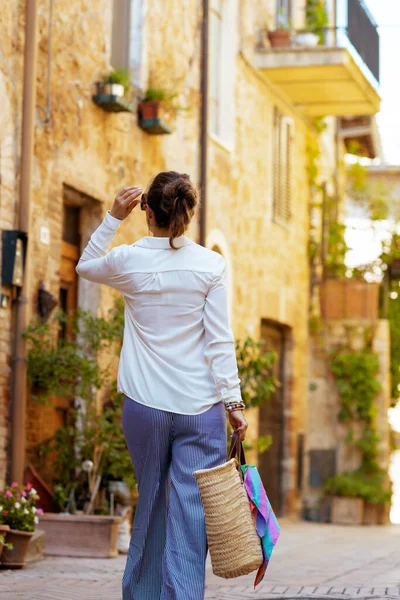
x=167 y=553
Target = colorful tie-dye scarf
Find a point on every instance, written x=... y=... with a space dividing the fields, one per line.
x=263 y=515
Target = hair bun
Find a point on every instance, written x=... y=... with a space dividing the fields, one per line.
x=180 y=190
x=173 y=199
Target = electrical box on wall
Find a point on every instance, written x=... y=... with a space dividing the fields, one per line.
x=14 y=244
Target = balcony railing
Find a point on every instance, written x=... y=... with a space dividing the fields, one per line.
x=363 y=34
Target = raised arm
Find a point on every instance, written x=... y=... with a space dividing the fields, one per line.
x=220 y=348
x=96 y=263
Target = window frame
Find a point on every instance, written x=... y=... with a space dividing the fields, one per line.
x=224 y=131
x=126 y=49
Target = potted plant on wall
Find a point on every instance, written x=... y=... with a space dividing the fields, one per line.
x=112 y=92
x=281 y=36
x=158 y=110
x=115 y=83
x=19 y=514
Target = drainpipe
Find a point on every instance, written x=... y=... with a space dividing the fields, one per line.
x=18 y=395
x=203 y=122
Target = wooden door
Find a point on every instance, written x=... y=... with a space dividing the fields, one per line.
x=68 y=293
x=272 y=421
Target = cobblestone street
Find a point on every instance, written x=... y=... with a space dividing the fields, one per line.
x=311 y=560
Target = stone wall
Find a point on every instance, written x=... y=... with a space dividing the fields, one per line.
x=11 y=21
x=95 y=153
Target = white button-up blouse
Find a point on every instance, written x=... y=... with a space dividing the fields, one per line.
x=178 y=350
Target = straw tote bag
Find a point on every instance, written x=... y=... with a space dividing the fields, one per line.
x=235 y=547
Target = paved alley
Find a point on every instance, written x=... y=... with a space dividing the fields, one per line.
x=311 y=560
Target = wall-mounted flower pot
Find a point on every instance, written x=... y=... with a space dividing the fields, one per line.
x=279 y=38
x=306 y=39
x=91 y=536
x=113 y=89
x=153 y=117
x=112 y=103
x=15 y=558
x=110 y=97
x=347 y=511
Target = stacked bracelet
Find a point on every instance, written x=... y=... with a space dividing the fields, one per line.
x=236 y=405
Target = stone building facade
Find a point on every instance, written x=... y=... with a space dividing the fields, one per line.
x=258 y=193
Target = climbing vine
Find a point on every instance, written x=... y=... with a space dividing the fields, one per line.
x=358 y=385
x=255 y=367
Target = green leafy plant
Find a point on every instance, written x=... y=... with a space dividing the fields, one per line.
x=358 y=385
x=356 y=380
x=5 y=544
x=68 y=366
x=283 y=21
x=119 y=76
x=168 y=99
x=97 y=438
x=18 y=507
x=358 y=484
x=394 y=326
x=376 y=197
x=264 y=442
x=255 y=368
x=317 y=18
x=336 y=250
x=77 y=366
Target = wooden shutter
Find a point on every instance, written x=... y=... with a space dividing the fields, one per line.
x=120 y=34
x=282 y=168
x=287 y=154
x=277 y=165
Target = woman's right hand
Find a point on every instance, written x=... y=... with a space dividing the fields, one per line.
x=125 y=202
x=238 y=423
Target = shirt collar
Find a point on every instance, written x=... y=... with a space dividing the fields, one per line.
x=160 y=243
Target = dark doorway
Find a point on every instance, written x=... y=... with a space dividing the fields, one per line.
x=272 y=419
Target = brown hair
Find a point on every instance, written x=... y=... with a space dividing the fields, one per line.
x=173 y=199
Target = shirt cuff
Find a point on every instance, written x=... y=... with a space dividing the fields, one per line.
x=111 y=221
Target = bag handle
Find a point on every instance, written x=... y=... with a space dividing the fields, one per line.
x=236 y=449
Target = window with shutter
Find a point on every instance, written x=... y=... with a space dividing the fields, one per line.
x=282 y=167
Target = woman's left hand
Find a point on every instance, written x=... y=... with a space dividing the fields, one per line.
x=125 y=202
x=238 y=423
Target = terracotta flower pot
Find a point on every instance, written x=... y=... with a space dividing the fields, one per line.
x=150 y=109
x=349 y=299
x=3 y=532
x=15 y=558
x=279 y=38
